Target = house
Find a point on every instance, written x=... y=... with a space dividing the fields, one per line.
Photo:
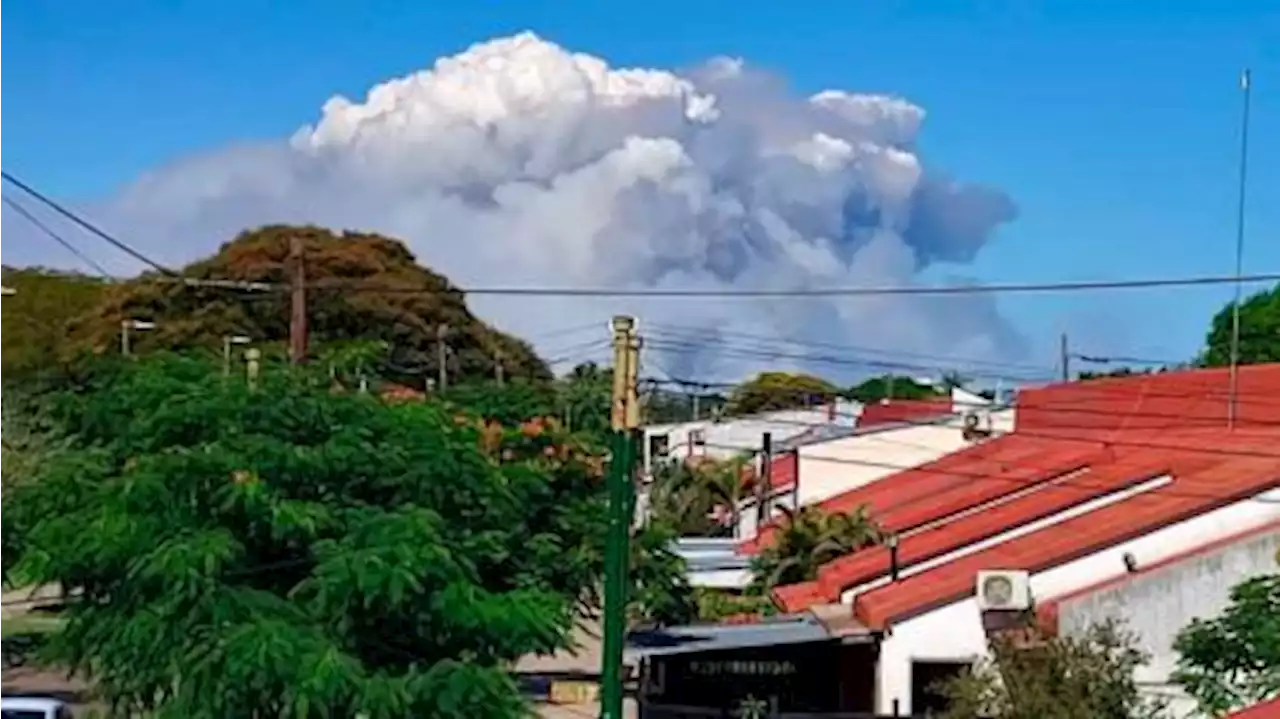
x=723 y=438
x=1126 y=487
x=822 y=469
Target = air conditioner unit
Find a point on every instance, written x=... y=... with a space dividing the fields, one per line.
x=1003 y=590
x=977 y=424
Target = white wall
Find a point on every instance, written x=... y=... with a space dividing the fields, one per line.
x=954 y=632
x=737 y=435
x=832 y=468
x=1156 y=605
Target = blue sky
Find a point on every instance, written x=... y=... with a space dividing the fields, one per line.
x=1113 y=125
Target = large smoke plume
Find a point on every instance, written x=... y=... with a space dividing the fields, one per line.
x=519 y=163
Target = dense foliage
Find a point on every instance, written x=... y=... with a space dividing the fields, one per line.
x=698 y=499
x=362 y=287
x=1259 y=331
x=806 y=540
x=294 y=551
x=780 y=390
x=1035 y=677
x=1233 y=660
x=37 y=315
x=875 y=389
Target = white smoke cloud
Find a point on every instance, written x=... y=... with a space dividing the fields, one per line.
x=519 y=163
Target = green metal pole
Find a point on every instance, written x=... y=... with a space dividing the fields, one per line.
x=616 y=561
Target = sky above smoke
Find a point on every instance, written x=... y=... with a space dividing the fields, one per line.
x=520 y=163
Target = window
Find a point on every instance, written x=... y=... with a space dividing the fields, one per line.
x=659 y=445
x=697 y=438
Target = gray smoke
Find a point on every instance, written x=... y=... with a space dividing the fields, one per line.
x=519 y=163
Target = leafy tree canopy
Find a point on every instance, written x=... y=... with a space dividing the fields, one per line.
x=891 y=386
x=295 y=552
x=780 y=390
x=806 y=540
x=1259 y=331
x=1233 y=660
x=36 y=316
x=362 y=286
x=1036 y=677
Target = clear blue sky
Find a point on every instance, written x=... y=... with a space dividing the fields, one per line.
x=1114 y=125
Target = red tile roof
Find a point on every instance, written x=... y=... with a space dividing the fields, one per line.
x=903 y=410
x=1035 y=500
x=1264 y=710
x=1224 y=482
x=956 y=482
x=1181 y=400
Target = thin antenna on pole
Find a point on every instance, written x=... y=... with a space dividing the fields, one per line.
x=1234 y=372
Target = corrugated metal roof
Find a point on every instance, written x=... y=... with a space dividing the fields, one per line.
x=798 y=628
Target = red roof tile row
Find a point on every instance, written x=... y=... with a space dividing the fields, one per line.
x=958 y=481
x=1063 y=491
x=903 y=410
x=1171 y=400
x=1195 y=493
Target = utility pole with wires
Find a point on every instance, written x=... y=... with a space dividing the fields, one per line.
x=1064 y=357
x=1234 y=372
x=298 y=302
x=625 y=419
x=442 y=357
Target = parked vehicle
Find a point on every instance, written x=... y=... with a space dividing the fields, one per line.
x=14 y=707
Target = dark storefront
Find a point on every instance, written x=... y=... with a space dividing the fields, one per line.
x=727 y=675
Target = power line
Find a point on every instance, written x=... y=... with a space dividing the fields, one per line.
x=48 y=231
x=936 y=290
x=798 y=342
x=53 y=205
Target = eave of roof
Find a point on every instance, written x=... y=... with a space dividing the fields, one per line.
x=1047 y=611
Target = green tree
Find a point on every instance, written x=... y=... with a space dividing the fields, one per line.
x=806 y=540
x=1233 y=660
x=660 y=592
x=899 y=386
x=296 y=552
x=361 y=287
x=699 y=499
x=1035 y=677
x=1259 y=331
x=36 y=318
x=585 y=398
x=780 y=390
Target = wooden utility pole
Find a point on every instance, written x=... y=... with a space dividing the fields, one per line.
x=625 y=418
x=765 y=485
x=1064 y=358
x=298 y=300
x=442 y=357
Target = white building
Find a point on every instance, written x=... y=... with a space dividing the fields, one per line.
x=1125 y=498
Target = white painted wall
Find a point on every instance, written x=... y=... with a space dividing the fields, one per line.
x=738 y=435
x=832 y=468
x=1156 y=605
x=954 y=632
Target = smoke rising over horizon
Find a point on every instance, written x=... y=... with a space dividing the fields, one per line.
x=520 y=163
